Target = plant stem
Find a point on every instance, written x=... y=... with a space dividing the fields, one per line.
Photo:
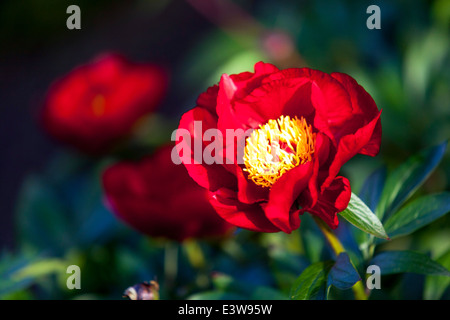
x=194 y=253
x=334 y=242
x=336 y=245
x=170 y=262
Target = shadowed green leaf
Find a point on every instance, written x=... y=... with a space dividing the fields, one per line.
x=343 y=274
x=436 y=285
x=373 y=187
x=391 y=262
x=311 y=284
x=41 y=218
x=17 y=273
x=407 y=178
x=417 y=214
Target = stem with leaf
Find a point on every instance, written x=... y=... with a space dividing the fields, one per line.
x=337 y=247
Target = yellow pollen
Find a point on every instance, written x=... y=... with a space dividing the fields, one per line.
x=98 y=105
x=277 y=147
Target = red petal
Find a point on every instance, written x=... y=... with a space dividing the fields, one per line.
x=373 y=146
x=364 y=111
x=248 y=191
x=265 y=68
x=208 y=99
x=332 y=200
x=235 y=87
x=349 y=146
x=210 y=176
x=362 y=102
x=289 y=97
x=328 y=96
x=247 y=216
x=283 y=194
x=309 y=197
x=246 y=81
x=224 y=108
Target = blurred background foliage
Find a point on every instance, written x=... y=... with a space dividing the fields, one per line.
x=51 y=201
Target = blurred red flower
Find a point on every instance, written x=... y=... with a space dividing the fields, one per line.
x=97 y=104
x=158 y=198
x=305 y=124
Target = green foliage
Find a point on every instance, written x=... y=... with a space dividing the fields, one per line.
x=407 y=178
x=435 y=286
x=19 y=272
x=404 y=219
x=391 y=262
x=312 y=283
x=358 y=214
x=417 y=214
x=343 y=274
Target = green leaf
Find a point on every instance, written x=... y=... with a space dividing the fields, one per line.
x=373 y=187
x=312 y=240
x=286 y=266
x=56 y=212
x=417 y=214
x=20 y=272
x=407 y=178
x=9 y=265
x=435 y=286
x=40 y=268
x=41 y=218
x=343 y=274
x=311 y=284
x=358 y=214
x=391 y=262
x=225 y=282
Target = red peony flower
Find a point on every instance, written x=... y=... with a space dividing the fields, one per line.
x=294 y=129
x=98 y=103
x=159 y=199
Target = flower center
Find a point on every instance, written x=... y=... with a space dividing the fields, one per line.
x=277 y=147
x=98 y=105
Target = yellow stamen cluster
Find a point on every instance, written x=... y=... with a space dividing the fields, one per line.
x=277 y=147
